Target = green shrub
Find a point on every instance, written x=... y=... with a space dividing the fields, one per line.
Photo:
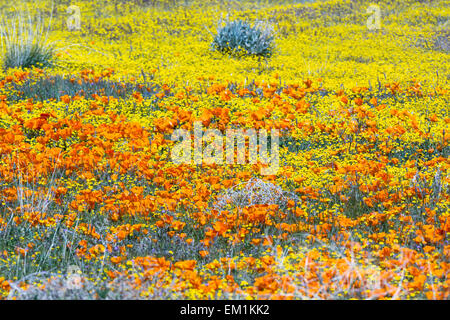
x=240 y=38
x=25 y=43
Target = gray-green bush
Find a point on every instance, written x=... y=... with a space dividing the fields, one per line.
x=240 y=38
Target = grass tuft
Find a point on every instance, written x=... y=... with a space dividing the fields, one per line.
x=25 y=43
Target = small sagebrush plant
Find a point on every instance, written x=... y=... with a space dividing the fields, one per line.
x=24 y=43
x=253 y=192
x=240 y=38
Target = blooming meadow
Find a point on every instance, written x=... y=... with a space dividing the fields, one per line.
x=93 y=205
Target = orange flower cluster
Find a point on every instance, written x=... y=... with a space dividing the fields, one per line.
x=363 y=177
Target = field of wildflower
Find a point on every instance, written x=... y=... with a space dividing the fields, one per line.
x=92 y=205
